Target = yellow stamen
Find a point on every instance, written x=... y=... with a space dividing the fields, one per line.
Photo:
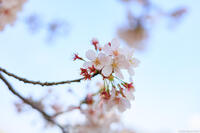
x=114 y=65
x=97 y=61
x=116 y=53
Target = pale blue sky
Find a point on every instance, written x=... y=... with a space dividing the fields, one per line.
x=167 y=81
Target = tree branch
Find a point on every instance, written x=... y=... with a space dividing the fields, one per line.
x=32 y=104
x=41 y=83
x=66 y=111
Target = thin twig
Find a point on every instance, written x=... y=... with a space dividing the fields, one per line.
x=41 y=83
x=30 y=103
x=66 y=111
x=59 y=113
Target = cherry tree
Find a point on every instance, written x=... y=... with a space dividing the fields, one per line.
x=113 y=93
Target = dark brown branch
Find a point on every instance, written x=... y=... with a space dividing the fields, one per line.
x=41 y=83
x=32 y=104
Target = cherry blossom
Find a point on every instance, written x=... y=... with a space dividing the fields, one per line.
x=98 y=60
x=97 y=120
x=129 y=89
x=113 y=48
x=109 y=59
x=132 y=62
x=118 y=63
x=109 y=63
x=114 y=95
x=9 y=10
x=117 y=101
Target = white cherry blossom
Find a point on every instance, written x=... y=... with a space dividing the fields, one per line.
x=113 y=48
x=117 y=101
x=98 y=60
x=132 y=62
x=129 y=94
x=112 y=59
x=118 y=63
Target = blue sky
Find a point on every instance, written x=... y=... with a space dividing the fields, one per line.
x=167 y=81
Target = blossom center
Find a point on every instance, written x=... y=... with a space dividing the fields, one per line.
x=117 y=100
x=114 y=65
x=131 y=61
x=116 y=53
x=97 y=62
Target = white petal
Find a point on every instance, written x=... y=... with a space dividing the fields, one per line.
x=124 y=104
x=129 y=94
x=99 y=66
x=135 y=62
x=107 y=70
x=122 y=51
x=91 y=55
x=101 y=55
x=106 y=60
x=121 y=108
x=115 y=44
x=118 y=73
x=113 y=92
x=131 y=97
x=107 y=49
x=121 y=60
x=129 y=52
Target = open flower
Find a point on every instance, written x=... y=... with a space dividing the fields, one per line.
x=121 y=103
x=118 y=63
x=113 y=48
x=115 y=100
x=97 y=60
x=112 y=59
x=132 y=62
x=129 y=89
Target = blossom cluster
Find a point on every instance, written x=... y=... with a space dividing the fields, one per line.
x=109 y=61
x=98 y=122
x=9 y=10
x=100 y=112
x=114 y=94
